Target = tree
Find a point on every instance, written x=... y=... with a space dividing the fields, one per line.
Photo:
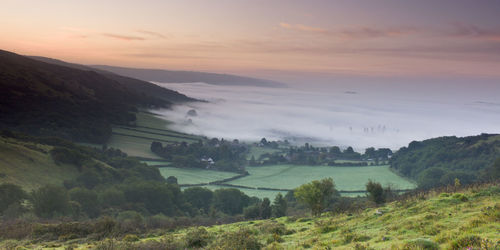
x=87 y=199
x=10 y=194
x=279 y=206
x=265 y=208
x=317 y=195
x=172 y=180
x=200 y=198
x=230 y=200
x=50 y=200
x=375 y=192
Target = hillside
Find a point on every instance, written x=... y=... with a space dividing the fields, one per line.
x=139 y=86
x=166 y=76
x=439 y=161
x=47 y=99
x=439 y=220
x=30 y=165
x=32 y=162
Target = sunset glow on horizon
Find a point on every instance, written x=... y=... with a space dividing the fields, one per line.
x=263 y=38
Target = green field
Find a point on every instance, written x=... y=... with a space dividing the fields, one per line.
x=136 y=141
x=290 y=177
x=157 y=163
x=345 y=178
x=250 y=192
x=194 y=176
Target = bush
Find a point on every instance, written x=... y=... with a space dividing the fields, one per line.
x=50 y=200
x=167 y=243
x=198 y=238
x=466 y=242
x=252 y=212
x=421 y=244
x=9 y=195
x=460 y=197
x=242 y=239
x=130 y=238
x=273 y=228
x=87 y=199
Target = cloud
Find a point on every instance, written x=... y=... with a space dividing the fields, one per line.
x=352 y=33
x=367 y=32
x=123 y=37
x=152 y=33
x=302 y=27
x=473 y=31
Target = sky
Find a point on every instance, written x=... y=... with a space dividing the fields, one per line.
x=275 y=39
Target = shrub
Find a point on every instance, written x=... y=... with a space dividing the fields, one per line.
x=273 y=228
x=198 y=237
x=242 y=239
x=167 y=243
x=421 y=244
x=87 y=200
x=130 y=238
x=466 y=241
x=10 y=194
x=460 y=197
x=444 y=195
x=50 y=200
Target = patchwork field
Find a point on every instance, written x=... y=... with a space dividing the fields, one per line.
x=290 y=177
x=136 y=141
x=345 y=178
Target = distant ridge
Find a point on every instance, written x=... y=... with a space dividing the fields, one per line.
x=139 y=86
x=170 y=76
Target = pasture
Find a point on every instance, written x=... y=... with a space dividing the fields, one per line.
x=193 y=175
x=290 y=177
x=345 y=178
x=136 y=141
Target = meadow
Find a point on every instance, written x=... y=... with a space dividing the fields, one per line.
x=290 y=177
x=136 y=140
x=345 y=178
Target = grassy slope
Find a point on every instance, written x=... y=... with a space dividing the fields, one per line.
x=148 y=126
x=29 y=165
x=439 y=219
x=436 y=219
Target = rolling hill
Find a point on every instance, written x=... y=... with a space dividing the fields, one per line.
x=142 y=87
x=47 y=99
x=439 y=161
x=167 y=76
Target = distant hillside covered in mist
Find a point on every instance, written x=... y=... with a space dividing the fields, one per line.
x=170 y=76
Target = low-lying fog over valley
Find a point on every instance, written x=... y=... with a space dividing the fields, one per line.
x=377 y=115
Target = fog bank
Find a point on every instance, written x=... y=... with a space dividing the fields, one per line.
x=344 y=116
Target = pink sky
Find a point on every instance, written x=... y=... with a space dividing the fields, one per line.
x=263 y=38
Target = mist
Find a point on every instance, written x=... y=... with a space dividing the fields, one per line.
x=360 y=115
